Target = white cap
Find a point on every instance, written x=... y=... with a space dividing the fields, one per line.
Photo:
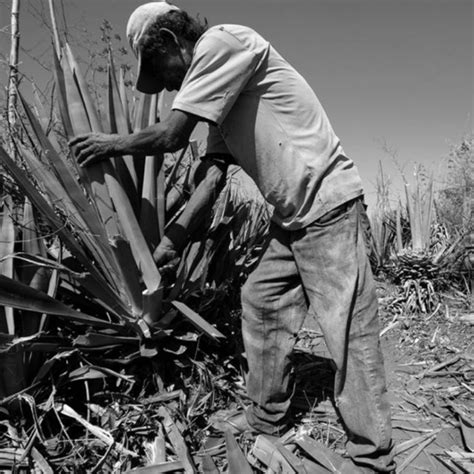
x=138 y=23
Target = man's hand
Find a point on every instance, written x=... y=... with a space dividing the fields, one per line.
x=94 y=147
x=165 y=254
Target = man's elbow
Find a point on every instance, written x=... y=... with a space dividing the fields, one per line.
x=171 y=141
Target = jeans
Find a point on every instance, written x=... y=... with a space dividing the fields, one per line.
x=324 y=266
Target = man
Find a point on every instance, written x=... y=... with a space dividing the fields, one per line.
x=263 y=113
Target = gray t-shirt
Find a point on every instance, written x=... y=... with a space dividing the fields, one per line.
x=264 y=113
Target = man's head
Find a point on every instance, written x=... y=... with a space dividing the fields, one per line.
x=162 y=37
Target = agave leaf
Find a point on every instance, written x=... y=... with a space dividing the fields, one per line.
x=95 y=173
x=91 y=112
x=90 y=372
x=34 y=276
x=43 y=262
x=21 y=296
x=197 y=260
x=411 y=217
x=130 y=274
x=133 y=233
x=81 y=209
x=60 y=197
x=292 y=459
x=161 y=201
x=40 y=111
x=48 y=183
x=267 y=453
x=61 y=95
x=198 y=321
x=77 y=111
x=141 y=112
x=170 y=180
x=60 y=165
x=31 y=242
x=119 y=124
x=160 y=178
x=98 y=339
x=57 y=43
x=237 y=462
x=427 y=214
x=149 y=214
x=208 y=466
x=177 y=440
x=52 y=289
x=152 y=300
x=98 y=284
x=7 y=246
x=399 y=229
x=123 y=98
x=320 y=453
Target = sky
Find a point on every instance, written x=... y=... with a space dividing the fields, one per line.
x=398 y=72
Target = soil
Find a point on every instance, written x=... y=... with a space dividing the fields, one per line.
x=429 y=369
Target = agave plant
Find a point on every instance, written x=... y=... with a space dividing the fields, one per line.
x=382 y=229
x=107 y=219
x=428 y=262
x=82 y=301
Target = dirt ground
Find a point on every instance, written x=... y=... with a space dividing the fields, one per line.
x=429 y=366
x=429 y=363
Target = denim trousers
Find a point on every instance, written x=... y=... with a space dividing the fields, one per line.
x=324 y=267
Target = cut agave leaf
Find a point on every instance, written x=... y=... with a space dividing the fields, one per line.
x=198 y=321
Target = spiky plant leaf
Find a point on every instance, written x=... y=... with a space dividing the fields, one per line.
x=119 y=123
x=101 y=287
x=93 y=178
x=7 y=247
x=21 y=296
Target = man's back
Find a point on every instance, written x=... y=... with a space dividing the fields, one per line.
x=271 y=122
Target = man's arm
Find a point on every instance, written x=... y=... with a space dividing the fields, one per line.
x=167 y=136
x=199 y=204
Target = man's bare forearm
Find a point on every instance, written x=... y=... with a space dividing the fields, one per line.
x=152 y=140
x=167 y=136
x=198 y=206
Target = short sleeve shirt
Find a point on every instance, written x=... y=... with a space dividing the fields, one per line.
x=264 y=113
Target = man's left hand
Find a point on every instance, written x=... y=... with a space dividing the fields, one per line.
x=94 y=147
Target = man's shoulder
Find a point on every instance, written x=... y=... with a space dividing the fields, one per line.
x=230 y=34
x=229 y=28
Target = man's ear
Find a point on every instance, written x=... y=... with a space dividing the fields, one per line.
x=169 y=38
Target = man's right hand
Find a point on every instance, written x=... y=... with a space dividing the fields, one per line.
x=94 y=147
